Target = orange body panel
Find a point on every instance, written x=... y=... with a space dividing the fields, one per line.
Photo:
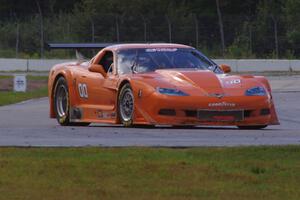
x=100 y=104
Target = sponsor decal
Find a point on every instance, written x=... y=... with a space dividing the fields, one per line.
x=161 y=50
x=113 y=115
x=140 y=93
x=234 y=81
x=222 y=104
x=218 y=95
x=105 y=114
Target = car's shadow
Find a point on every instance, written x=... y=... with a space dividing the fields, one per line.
x=149 y=127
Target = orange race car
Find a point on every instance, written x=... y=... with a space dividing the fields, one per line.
x=156 y=84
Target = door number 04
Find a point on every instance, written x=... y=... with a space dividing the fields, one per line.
x=82 y=89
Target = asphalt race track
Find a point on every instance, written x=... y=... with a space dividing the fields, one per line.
x=28 y=124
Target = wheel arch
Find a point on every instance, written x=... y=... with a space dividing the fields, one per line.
x=122 y=83
x=68 y=76
x=51 y=93
x=274 y=118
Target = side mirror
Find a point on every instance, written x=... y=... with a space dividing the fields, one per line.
x=97 y=68
x=226 y=68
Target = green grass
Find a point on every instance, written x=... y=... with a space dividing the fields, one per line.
x=10 y=97
x=15 y=97
x=150 y=173
x=28 y=77
x=5 y=77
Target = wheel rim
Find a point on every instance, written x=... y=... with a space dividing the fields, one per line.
x=126 y=105
x=62 y=101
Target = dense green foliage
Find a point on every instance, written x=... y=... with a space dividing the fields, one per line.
x=252 y=28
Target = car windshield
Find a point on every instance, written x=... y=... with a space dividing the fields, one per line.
x=151 y=59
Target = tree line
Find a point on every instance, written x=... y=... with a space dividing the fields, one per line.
x=219 y=28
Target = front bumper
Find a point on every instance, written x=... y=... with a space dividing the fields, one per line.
x=174 y=110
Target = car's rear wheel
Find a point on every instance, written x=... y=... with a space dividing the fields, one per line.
x=62 y=104
x=126 y=105
x=252 y=127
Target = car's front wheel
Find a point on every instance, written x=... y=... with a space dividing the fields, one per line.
x=252 y=127
x=126 y=105
x=61 y=102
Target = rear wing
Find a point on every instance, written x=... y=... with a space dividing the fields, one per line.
x=78 y=45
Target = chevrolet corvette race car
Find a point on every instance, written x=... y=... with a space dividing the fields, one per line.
x=156 y=84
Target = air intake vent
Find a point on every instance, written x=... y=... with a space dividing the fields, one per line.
x=167 y=112
x=247 y=113
x=265 y=111
x=191 y=113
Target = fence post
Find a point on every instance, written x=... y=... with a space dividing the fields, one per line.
x=93 y=30
x=170 y=28
x=117 y=28
x=221 y=27
x=145 y=28
x=42 y=27
x=196 y=29
x=27 y=65
x=17 y=39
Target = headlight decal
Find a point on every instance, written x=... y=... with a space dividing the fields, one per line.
x=256 y=91
x=171 y=92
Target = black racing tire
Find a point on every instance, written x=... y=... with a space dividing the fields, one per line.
x=126 y=105
x=252 y=127
x=61 y=102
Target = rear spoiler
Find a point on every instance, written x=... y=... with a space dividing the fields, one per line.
x=78 y=45
x=87 y=45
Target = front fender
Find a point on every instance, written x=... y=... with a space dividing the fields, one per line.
x=54 y=75
x=274 y=118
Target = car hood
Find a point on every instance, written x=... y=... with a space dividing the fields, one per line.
x=200 y=81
